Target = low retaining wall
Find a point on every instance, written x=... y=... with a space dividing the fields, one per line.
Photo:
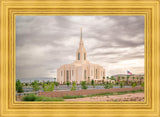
x=86 y=92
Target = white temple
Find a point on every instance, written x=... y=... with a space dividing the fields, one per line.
x=81 y=69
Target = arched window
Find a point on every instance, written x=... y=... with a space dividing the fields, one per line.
x=85 y=74
x=72 y=72
x=67 y=75
x=84 y=56
x=78 y=56
x=96 y=73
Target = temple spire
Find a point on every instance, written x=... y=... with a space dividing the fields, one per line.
x=81 y=33
x=81 y=41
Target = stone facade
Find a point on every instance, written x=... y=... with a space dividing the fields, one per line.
x=81 y=69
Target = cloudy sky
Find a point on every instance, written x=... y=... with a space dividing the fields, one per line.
x=43 y=43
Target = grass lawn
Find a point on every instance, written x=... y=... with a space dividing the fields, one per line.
x=33 y=97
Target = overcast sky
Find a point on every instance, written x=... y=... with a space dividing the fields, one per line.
x=43 y=43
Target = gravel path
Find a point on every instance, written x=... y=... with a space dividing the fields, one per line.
x=124 y=97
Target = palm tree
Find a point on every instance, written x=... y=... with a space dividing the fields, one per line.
x=123 y=78
x=133 y=77
x=137 y=78
x=119 y=78
x=88 y=80
x=141 y=79
x=107 y=78
x=103 y=79
x=127 y=79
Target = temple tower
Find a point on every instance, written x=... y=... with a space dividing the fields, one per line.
x=81 y=54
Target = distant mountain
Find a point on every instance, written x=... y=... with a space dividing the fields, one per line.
x=39 y=79
x=126 y=75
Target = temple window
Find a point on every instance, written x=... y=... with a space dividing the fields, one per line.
x=61 y=73
x=96 y=73
x=84 y=74
x=78 y=56
x=72 y=72
x=67 y=75
x=84 y=56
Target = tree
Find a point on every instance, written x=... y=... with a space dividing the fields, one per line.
x=112 y=78
x=103 y=79
x=19 y=86
x=35 y=85
x=121 y=84
x=68 y=83
x=48 y=87
x=133 y=77
x=92 y=83
x=127 y=79
x=108 y=85
x=88 y=80
x=141 y=79
x=123 y=78
x=117 y=83
x=83 y=85
x=119 y=78
x=26 y=84
x=137 y=78
x=73 y=86
x=56 y=83
x=40 y=83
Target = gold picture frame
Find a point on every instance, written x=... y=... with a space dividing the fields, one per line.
x=9 y=9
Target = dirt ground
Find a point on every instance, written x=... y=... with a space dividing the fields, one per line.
x=86 y=92
x=124 y=97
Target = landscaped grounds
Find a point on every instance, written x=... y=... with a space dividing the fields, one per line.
x=119 y=90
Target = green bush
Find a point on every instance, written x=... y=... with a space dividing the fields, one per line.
x=33 y=97
x=19 y=86
x=35 y=85
x=142 y=85
x=108 y=85
x=68 y=83
x=92 y=83
x=48 y=87
x=121 y=84
x=83 y=85
x=134 y=84
x=56 y=83
x=73 y=86
x=117 y=83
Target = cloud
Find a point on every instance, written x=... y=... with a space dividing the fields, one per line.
x=43 y=43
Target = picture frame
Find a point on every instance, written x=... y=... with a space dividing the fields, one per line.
x=150 y=9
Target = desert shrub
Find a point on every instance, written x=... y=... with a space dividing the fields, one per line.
x=19 y=86
x=33 y=97
x=83 y=85
x=73 y=86
x=48 y=87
